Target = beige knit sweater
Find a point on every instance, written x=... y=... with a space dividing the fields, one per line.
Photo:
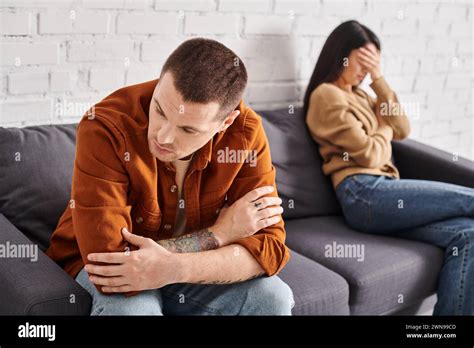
x=350 y=137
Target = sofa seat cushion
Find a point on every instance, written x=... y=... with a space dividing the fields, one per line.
x=393 y=273
x=316 y=289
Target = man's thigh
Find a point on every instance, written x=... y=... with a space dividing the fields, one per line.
x=144 y=303
x=259 y=296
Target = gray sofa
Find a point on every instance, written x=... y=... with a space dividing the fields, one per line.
x=395 y=277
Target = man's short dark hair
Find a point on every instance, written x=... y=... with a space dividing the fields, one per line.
x=205 y=71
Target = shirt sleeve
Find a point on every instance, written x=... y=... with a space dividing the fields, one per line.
x=388 y=106
x=330 y=120
x=267 y=246
x=99 y=189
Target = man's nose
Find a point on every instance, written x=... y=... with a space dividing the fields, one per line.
x=166 y=135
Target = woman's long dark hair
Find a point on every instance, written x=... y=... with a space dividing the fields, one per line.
x=346 y=37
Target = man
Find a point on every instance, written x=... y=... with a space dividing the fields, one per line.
x=174 y=208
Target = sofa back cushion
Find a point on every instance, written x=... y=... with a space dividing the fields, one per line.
x=301 y=184
x=36 y=170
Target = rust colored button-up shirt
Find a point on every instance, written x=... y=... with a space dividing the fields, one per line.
x=118 y=183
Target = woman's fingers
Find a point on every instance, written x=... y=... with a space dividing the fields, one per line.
x=370 y=53
x=369 y=57
x=366 y=63
x=365 y=60
x=373 y=49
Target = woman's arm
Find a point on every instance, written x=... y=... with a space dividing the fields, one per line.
x=386 y=107
x=389 y=108
x=331 y=121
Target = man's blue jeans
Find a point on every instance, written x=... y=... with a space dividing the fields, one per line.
x=259 y=296
x=437 y=213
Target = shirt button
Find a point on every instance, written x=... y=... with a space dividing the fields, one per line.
x=167 y=227
x=173 y=188
x=139 y=220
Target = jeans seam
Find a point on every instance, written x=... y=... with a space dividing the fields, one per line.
x=97 y=309
x=439 y=228
x=367 y=203
x=463 y=272
x=358 y=183
x=194 y=301
x=353 y=178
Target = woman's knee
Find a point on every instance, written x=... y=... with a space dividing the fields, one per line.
x=463 y=231
x=268 y=296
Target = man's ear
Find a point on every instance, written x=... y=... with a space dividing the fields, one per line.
x=229 y=120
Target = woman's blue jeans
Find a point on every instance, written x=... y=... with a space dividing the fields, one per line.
x=437 y=213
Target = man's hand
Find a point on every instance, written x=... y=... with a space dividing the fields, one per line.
x=247 y=216
x=149 y=267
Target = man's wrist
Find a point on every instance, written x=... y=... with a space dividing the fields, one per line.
x=181 y=267
x=218 y=235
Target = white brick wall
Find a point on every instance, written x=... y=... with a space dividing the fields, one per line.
x=15 y=23
x=73 y=22
x=57 y=57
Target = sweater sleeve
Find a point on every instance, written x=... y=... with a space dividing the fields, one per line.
x=331 y=120
x=387 y=106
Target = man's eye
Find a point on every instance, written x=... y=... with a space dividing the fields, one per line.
x=189 y=131
x=159 y=112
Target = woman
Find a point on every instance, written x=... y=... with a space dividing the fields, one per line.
x=354 y=132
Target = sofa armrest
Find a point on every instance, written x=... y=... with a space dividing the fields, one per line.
x=35 y=285
x=415 y=160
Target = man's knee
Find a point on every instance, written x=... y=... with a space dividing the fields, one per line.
x=144 y=303
x=269 y=296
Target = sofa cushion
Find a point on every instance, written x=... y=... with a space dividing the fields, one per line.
x=316 y=289
x=298 y=166
x=35 y=285
x=36 y=173
x=390 y=267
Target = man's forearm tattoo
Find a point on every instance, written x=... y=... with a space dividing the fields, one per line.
x=190 y=243
x=229 y=281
